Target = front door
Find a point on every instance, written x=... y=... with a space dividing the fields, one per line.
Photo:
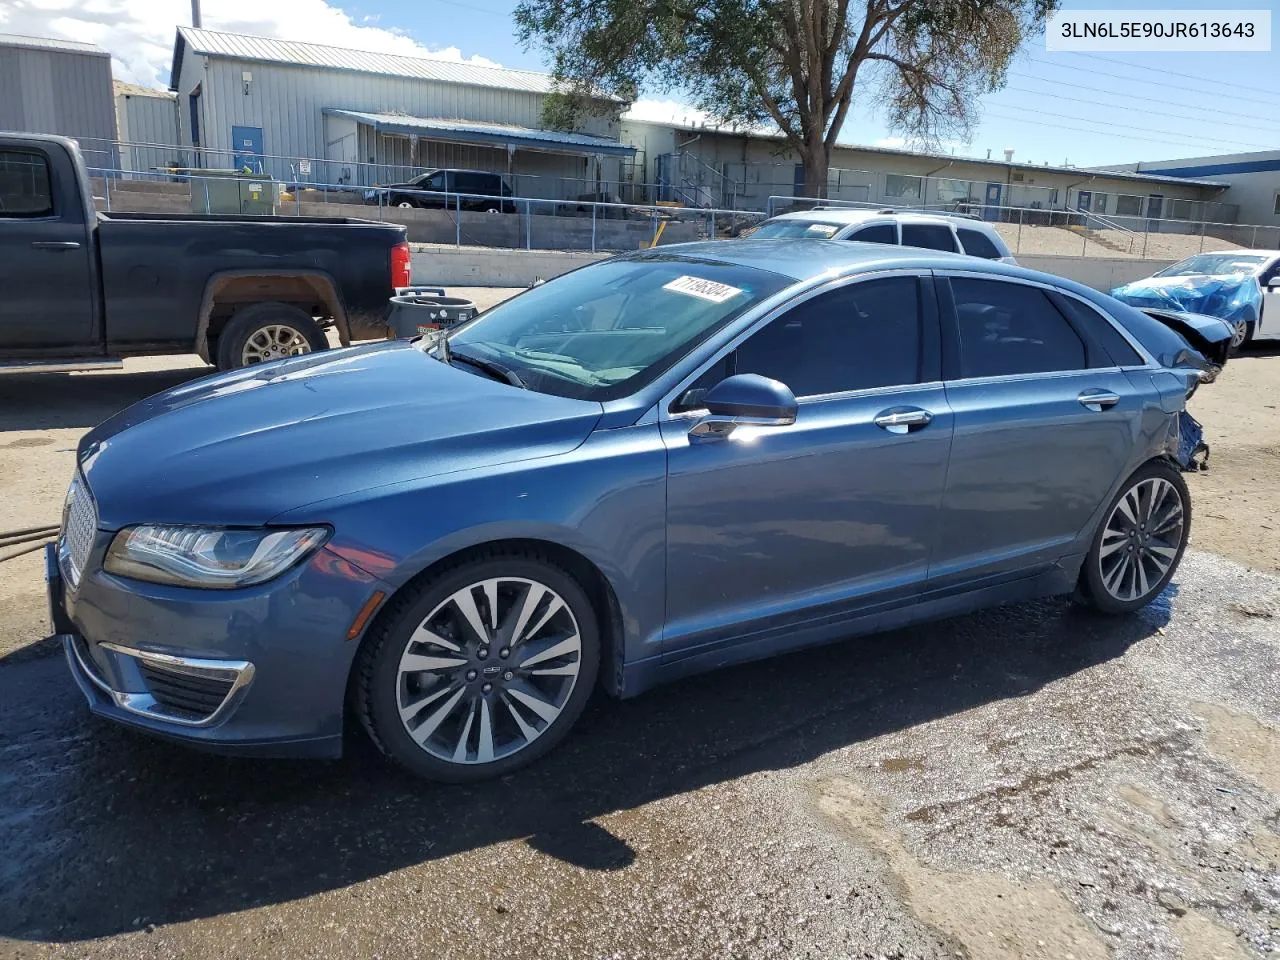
x=1044 y=427
x=44 y=252
x=1155 y=208
x=1268 y=327
x=831 y=515
x=1084 y=200
x=247 y=143
x=992 y=209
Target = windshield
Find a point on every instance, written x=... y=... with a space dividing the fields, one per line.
x=1214 y=265
x=789 y=229
x=606 y=330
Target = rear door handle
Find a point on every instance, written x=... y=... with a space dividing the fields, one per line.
x=55 y=245
x=903 y=419
x=1098 y=400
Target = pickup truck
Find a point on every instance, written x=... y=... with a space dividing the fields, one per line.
x=83 y=289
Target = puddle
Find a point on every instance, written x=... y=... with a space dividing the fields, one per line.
x=989 y=915
x=1251 y=747
x=1202 y=939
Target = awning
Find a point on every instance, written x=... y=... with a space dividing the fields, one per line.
x=489 y=134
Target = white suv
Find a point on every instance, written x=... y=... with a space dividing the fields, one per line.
x=933 y=231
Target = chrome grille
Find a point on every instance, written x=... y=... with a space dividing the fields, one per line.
x=79 y=526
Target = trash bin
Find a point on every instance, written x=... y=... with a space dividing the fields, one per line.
x=416 y=311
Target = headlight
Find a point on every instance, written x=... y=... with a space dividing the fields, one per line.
x=207 y=557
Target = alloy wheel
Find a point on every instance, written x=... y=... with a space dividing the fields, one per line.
x=1239 y=331
x=274 y=342
x=489 y=670
x=1141 y=539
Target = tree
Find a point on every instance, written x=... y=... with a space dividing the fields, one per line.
x=793 y=64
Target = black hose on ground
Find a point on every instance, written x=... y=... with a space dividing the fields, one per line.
x=7 y=540
x=7 y=534
x=25 y=550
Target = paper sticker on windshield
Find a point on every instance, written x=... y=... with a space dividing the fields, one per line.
x=702 y=289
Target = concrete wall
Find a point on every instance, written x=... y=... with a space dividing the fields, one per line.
x=482 y=267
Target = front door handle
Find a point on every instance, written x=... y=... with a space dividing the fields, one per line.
x=903 y=419
x=1098 y=400
x=55 y=245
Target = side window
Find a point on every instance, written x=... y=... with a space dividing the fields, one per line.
x=978 y=244
x=1011 y=328
x=24 y=185
x=932 y=236
x=435 y=182
x=861 y=336
x=876 y=233
x=1103 y=333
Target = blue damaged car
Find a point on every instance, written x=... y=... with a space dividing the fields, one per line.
x=655 y=465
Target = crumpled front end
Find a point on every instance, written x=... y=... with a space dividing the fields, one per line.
x=1233 y=298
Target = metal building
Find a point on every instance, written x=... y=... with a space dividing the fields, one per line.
x=59 y=86
x=313 y=113
x=147 y=121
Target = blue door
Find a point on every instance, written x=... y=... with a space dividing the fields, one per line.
x=827 y=516
x=1040 y=437
x=992 y=210
x=1155 y=208
x=797 y=185
x=1084 y=200
x=247 y=144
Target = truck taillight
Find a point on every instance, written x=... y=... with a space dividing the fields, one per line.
x=401 y=266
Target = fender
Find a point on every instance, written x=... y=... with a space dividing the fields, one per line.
x=324 y=285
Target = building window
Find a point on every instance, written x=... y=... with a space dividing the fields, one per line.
x=953 y=191
x=1128 y=206
x=1100 y=202
x=896 y=185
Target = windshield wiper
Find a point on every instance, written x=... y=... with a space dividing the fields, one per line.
x=495 y=370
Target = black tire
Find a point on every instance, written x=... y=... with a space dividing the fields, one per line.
x=377 y=681
x=252 y=320
x=1093 y=588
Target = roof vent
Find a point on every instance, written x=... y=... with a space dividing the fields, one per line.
x=1008 y=154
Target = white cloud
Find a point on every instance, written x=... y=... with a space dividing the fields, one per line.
x=139 y=33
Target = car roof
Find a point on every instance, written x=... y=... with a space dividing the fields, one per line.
x=802 y=259
x=847 y=216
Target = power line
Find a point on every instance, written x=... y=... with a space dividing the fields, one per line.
x=1174 y=73
x=1039 y=121
x=1128 y=126
x=1146 y=110
x=1158 y=83
x=1130 y=96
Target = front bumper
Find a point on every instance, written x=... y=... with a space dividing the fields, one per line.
x=258 y=671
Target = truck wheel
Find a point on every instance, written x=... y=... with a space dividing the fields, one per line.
x=268 y=331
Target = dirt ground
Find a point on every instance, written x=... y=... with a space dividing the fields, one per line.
x=1028 y=782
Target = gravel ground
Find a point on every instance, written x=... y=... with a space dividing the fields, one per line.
x=1026 y=782
x=1059 y=241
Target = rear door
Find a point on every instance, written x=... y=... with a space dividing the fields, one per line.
x=1045 y=420
x=45 y=265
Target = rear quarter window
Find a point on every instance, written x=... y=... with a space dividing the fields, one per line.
x=978 y=244
x=931 y=236
x=1102 y=332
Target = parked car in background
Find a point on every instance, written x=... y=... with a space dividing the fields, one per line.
x=433 y=190
x=655 y=465
x=82 y=289
x=952 y=233
x=1241 y=287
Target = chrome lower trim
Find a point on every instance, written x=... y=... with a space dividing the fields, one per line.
x=60 y=366
x=239 y=672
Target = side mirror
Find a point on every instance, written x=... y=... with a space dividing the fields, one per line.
x=1274 y=283
x=747 y=399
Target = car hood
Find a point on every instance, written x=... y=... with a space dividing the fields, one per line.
x=1232 y=297
x=243 y=447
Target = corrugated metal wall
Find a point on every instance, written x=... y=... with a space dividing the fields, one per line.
x=287 y=103
x=54 y=91
x=147 y=119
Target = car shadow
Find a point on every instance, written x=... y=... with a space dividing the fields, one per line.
x=105 y=830
x=50 y=401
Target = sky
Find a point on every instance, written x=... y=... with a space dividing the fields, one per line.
x=1060 y=108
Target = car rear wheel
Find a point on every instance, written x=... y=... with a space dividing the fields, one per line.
x=1140 y=541
x=480 y=670
x=268 y=331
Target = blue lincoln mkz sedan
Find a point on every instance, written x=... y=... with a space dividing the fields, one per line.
x=659 y=464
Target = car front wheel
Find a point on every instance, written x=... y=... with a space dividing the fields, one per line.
x=1140 y=542
x=481 y=670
